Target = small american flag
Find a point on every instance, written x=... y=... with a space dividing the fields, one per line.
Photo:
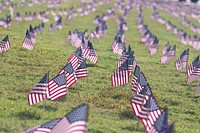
x=46 y=127
x=135 y=77
x=167 y=46
x=57 y=87
x=181 y=62
x=141 y=82
x=195 y=73
x=161 y=124
x=192 y=66
x=153 y=48
x=70 y=74
x=73 y=122
x=75 y=58
x=82 y=70
x=5 y=44
x=39 y=91
x=27 y=43
x=166 y=56
x=121 y=75
x=92 y=56
x=139 y=100
x=149 y=107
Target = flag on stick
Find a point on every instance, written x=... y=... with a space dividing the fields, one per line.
x=39 y=91
x=73 y=122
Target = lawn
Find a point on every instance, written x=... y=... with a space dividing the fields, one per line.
x=110 y=109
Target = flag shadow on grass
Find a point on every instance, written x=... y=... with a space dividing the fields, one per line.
x=48 y=108
x=27 y=115
x=91 y=65
x=132 y=129
x=127 y=114
x=2 y=129
x=94 y=131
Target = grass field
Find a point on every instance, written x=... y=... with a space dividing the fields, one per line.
x=110 y=109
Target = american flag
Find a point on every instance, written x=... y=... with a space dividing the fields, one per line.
x=149 y=107
x=195 y=73
x=161 y=124
x=167 y=46
x=192 y=66
x=78 y=40
x=135 y=77
x=152 y=117
x=92 y=56
x=57 y=87
x=119 y=48
x=166 y=56
x=27 y=43
x=123 y=58
x=82 y=71
x=181 y=62
x=76 y=58
x=39 y=91
x=86 y=52
x=73 y=122
x=131 y=62
x=153 y=48
x=46 y=127
x=139 y=100
x=121 y=75
x=70 y=74
x=140 y=83
x=5 y=44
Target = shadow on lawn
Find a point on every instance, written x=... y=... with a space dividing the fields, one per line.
x=48 y=108
x=4 y=130
x=127 y=115
x=27 y=115
x=133 y=128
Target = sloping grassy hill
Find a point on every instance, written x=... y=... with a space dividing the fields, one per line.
x=110 y=110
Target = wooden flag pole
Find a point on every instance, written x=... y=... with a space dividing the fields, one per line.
x=87 y=81
x=67 y=97
x=77 y=90
x=44 y=103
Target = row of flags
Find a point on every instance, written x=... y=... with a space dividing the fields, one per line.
x=119 y=42
x=145 y=107
x=144 y=104
x=150 y=40
x=57 y=87
x=28 y=42
x=101 y=26
x=189 y=24
x=193 y=70
x=181 y=62
x=6 y=22
x=30 y=36
x=182 y=35
x=81 y=40
x=168 y=53
x=73 y=122
x=125 y=66
x=181 y=12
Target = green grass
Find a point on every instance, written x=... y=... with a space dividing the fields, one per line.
x=110 y=110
